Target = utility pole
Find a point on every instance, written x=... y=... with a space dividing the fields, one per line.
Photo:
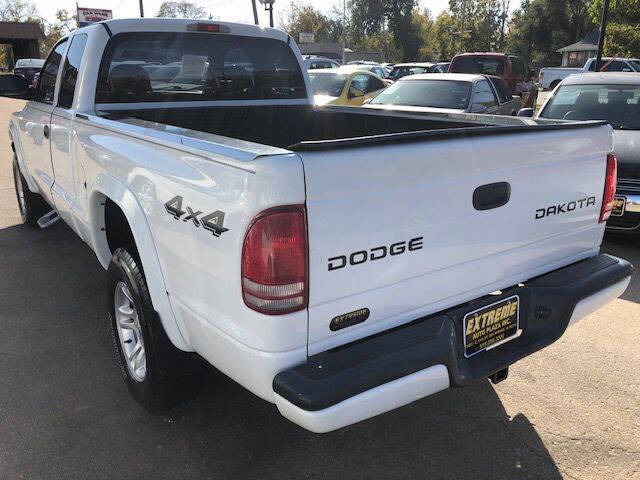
x=603 y=29
x=255 y=12
x=141 y=9
x=344 y=30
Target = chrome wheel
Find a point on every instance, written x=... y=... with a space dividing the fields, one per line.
x=22 y=201
x=129 y=332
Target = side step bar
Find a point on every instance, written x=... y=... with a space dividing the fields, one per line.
x=48 y=219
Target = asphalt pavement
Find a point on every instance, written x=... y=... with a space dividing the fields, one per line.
x=569 y=411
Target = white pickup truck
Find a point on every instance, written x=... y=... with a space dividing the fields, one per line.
x=338 y=262
x=550 y=77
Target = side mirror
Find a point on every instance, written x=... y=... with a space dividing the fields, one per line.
x=477 y=108
x=14 y=86
x=354 y=92
x=525 y=112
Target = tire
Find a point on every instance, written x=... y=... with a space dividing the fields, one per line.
x=31 y=205
x=159 y=376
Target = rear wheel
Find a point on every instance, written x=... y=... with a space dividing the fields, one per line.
x=158 y=375
x=31 y=205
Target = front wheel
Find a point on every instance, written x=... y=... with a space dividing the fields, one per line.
x=31 y=205
x=158 y=375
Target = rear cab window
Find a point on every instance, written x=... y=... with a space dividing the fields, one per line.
x=482 y=64
x=160 y=67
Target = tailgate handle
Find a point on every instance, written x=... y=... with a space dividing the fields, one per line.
x=491 y=195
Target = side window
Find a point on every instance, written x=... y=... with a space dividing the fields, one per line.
x=49 y=73
x=70 y=70
x=376 y=84
x=361 y=82
x=501 y=90
x=615 y=66
x=484 y=95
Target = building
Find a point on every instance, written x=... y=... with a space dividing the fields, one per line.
x=576 y=54
x=24 y=39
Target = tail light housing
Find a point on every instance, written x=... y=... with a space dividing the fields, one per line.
x=610 y=181
x=274 y=262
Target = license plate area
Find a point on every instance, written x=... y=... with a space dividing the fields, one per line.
x=491 y=325
x=619 y=206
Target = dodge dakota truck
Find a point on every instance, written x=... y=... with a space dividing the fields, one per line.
x=335 y=261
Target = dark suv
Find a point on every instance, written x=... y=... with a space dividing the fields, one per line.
x=510 y=68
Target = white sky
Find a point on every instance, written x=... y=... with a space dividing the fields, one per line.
x=228 y=10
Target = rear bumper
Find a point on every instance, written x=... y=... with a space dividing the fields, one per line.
x=377 y=374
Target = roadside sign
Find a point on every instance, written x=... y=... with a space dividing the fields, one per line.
x=305 y=37
x=87 y=16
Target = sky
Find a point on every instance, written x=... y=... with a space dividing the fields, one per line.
x=227 y=10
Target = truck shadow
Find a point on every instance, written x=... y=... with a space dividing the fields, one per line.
x=71 y=411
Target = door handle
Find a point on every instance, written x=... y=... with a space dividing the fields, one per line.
x=491 y=195
x=46 y=131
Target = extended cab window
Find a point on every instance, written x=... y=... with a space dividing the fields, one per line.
x=49 y=73
x=70 y=70
x=484 y=94
x=157 y=67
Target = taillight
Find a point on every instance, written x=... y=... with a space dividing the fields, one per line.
x=610 y=181
x=274 y=262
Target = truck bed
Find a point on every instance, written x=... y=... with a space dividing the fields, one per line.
x=288 y=126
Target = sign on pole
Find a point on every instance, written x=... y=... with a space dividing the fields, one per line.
x=306 y=37
x=87 y=16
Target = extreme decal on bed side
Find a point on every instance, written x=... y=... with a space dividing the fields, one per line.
x=214 y=221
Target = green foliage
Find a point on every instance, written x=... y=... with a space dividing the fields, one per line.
x=181 y=9
x=305 y=18
x=622 y=34
x=540 y=27
x=371 y=17
x=477 y=24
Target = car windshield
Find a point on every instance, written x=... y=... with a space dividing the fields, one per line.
x=330 y=84
x=426 y=93
x=617 y=104
x=487 y=65
x=399 y=72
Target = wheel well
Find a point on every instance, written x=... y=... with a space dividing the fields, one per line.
x=117 y=227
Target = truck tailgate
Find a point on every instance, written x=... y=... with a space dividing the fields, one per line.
x=393 y=227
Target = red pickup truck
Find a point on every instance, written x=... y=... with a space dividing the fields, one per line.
x=511 y=68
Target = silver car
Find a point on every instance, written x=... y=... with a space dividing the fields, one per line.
x=451 y=93
x=613 y=97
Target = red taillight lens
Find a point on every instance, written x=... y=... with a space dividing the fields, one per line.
x=274 y=262
x=610 y=181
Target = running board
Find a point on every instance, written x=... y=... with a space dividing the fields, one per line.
x=48 y=219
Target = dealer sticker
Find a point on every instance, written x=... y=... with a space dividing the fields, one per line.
x=489 y=325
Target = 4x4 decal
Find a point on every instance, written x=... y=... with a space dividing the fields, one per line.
x=214 y=221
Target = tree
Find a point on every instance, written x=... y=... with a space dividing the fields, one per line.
x=64 y=24
x=540 y=27
x=443 y=39
x=305 y=18
x=622 y=36
x=477 y=23
x=181 y=9
x=374 y=16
